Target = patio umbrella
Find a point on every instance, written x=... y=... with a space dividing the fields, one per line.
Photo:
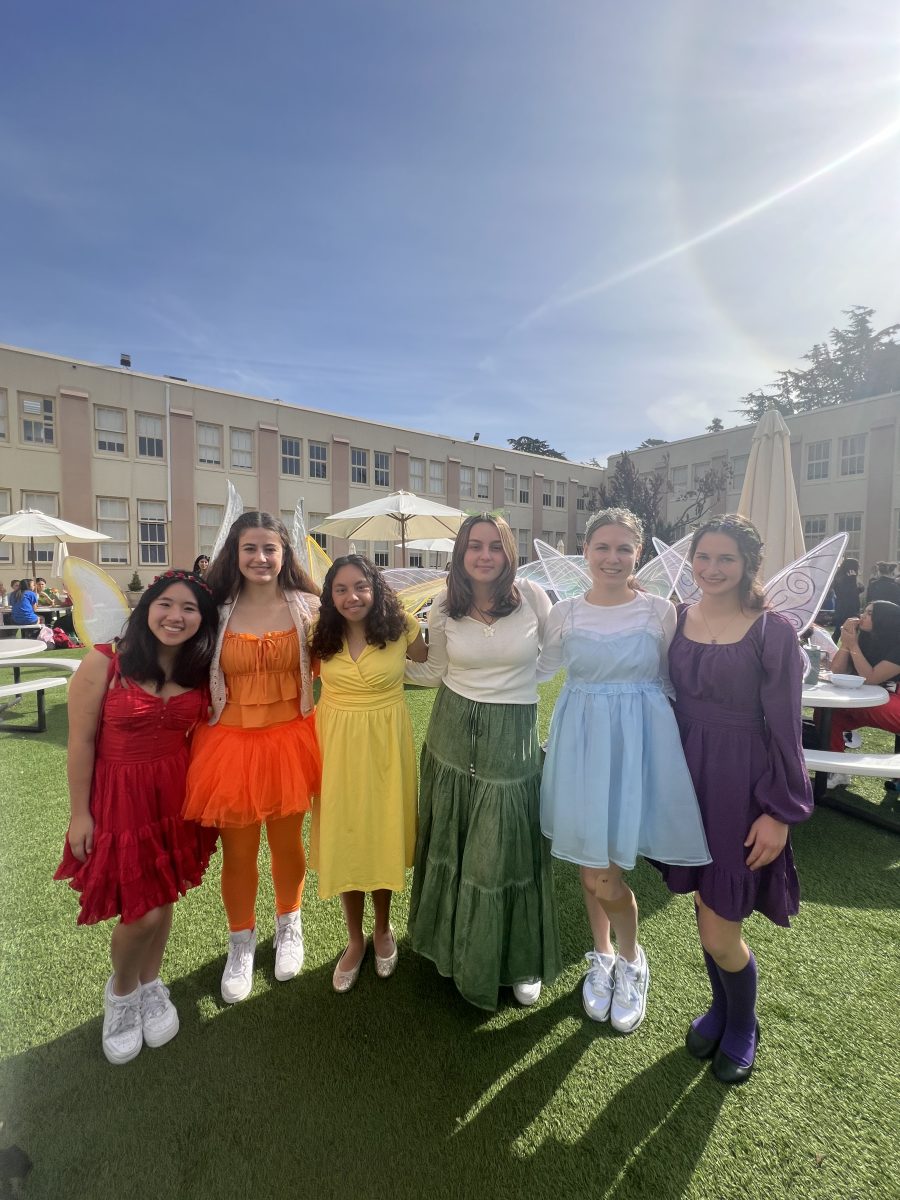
x=438 y=545
x=769 y=496
x=29 y=524
x=401 y=513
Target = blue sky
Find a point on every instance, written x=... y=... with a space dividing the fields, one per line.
x=453 y=215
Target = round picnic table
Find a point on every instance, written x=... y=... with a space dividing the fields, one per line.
x=828 y=696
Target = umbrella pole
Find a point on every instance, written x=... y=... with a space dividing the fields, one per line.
x=402 y=543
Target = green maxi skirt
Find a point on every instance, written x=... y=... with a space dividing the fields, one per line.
x=482 y=905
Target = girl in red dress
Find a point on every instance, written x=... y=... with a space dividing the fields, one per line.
x=128 y=851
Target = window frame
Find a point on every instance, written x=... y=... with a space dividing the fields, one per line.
x=203 y=462
x=318 y=462
x=232 y=449
x=104 y=547
x=46 y=413
x=138 y=436
x=147 y=543
x=297 y=458
x=417 y=488
x=381 y=469
x=483 y=479
x=819 y=535
x=359 y=466
x=437 y=477
x=813 y=475
x=120 y=436
x=851 y=461
x=466 y=483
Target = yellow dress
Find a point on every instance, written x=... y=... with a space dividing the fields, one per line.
x=363 y=834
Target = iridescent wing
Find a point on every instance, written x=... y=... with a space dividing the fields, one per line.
x=319 y=562
x=99 y=609
x=299 y=539
x=417 y=595
x=673 y=560
x=234 y=506
x=566 y=573
x=797 y=592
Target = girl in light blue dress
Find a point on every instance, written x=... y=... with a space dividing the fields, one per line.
x=615 y=782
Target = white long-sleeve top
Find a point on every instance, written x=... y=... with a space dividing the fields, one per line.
x=596 y=618
x=492 y=664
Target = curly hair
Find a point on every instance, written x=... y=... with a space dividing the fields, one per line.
x=224 y=575
x=506 y=598
x=385 y=622
x=138 y=648
x=746 y=537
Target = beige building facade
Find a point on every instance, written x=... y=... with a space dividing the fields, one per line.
x=145 y=458
x=846 y=465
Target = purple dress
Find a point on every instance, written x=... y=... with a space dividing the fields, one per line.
x=738 y=712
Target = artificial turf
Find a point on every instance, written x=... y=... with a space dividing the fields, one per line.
x=400 y=1089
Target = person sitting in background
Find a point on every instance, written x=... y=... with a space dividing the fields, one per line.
x=846 y=592
x=870 y=647
x=23 y=601
x=4 y=603
x=883 y=586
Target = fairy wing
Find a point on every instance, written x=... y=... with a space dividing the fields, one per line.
x=319 y=562
x=234 y=506
x=566 y=573
x=299 y=539
x=797 y=592
x=673 y=561
x=99 y=609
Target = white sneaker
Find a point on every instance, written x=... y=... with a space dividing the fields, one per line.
x=288 y=945
x=629 y=1002
x=159 y=1016
x=122 y=1032
x=836 y=781
x=237 y=978
x=852 y=740
x=527 y=993
x=597 y=989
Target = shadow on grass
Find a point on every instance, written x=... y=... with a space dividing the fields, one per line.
x=845 y=862
x=397 y=1089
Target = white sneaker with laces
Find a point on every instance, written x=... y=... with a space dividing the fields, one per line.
x=527 y=993
x=122 y=1032
x=288 y=945
x=837 y=780
x=629 y=1002
x=237 y=978
x=159 y=1016
x=598 y=986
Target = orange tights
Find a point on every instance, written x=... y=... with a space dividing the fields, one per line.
x=240 y=874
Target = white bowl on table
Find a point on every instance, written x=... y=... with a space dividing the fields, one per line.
x=847 y=681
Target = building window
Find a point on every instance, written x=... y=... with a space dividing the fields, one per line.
x=484 y=484
x=738 y=471
x=678 y=477
x=417 y=475
x=547 y=497
x=436 y=478
x=851 y=524
x=381 y=555
x=209 y=518
x=112 y=519
x=209 y=445
x=382 y=466
x=818 y=456
x=560 y=495
x=524 y=540
x=524 y=489
x=37 y=419
x=466 y=483
x=509 y=489
x=150 y=436
x=109 y=430
x=853 y=455
x=4 y=415
x=415 y=558
x=314 y=520
x=241 y=449
x=6 y=553
x=698 y=471
x=47 y=503
x=815 y=530
x=359 y=466
x=581 y=498
x=318 y=460
x=291 y=456
x=152 y=542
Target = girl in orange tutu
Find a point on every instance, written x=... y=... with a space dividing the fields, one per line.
x=257 y=762
x=128 y=852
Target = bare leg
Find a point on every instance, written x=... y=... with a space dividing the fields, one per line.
x=157 y=948
x=617 y=900
x=596 y=912
x=722 y=939
x=353 y=904
x=382 y=938
x=134 y=944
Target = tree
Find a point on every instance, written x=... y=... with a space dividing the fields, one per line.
x=715 y=425
x=649 y=443
x=855 y=362
x=530 y=445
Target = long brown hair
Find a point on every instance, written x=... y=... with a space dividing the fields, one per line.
x=506 y=598
x=224 y=574
x=746 y=537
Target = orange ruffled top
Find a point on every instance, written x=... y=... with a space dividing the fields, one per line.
x=261 y=760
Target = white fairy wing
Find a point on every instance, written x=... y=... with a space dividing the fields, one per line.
x=534 y=572
x=400 y=578
x=319 y=562
x=798 y=591
x=298 y=539
x=234 y=506
x=417 y=595
x=566 y=573
x=99 y=609
x=673 y=561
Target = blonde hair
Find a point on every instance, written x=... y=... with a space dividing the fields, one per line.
x=459 y=586
x=615 y=516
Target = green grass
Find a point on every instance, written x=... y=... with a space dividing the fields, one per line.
x=400 y=1089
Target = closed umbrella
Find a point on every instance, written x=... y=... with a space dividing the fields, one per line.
x=401 y=513
x=769 y=495
x=30 y=525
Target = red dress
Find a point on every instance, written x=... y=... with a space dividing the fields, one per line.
x=145 y=855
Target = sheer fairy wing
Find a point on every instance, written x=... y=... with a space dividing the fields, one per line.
x=566 y=573
x=797 y=592
x=234 y=506
x=299 y=539
x=319 y=562
x=415 y=596
x=673 y=561
x=99 y=609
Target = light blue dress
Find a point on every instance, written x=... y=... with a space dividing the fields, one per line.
x=615 y=781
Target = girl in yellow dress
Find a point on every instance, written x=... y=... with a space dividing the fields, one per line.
x=364 y=822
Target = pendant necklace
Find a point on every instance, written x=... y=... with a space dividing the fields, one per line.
x=713 y=639
x=487 y=621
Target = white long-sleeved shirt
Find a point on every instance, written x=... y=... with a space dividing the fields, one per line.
x=492 y=664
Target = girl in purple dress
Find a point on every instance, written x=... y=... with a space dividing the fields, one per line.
x=737 y=673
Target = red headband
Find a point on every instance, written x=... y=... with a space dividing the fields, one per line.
x=187 y=576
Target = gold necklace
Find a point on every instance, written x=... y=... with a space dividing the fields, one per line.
x=712 y=637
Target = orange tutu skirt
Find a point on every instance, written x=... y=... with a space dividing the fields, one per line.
x=241 y=776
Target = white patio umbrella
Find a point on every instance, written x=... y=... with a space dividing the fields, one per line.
x=769 y=495
x=438 y=545
x=401 y=513
x=30 y=524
